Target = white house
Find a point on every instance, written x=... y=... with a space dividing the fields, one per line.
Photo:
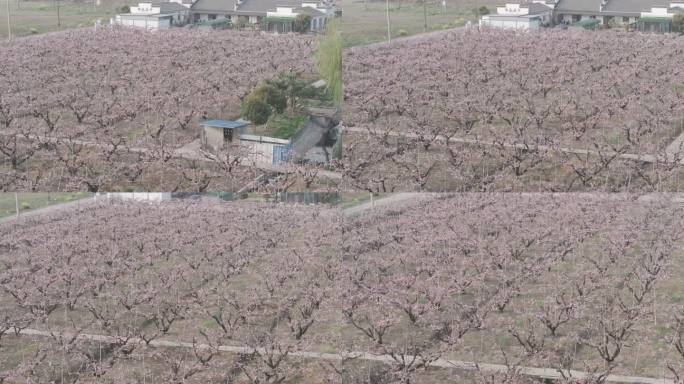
x=154 y=16
x=186 y=3
x=255 y=11
x=607 y=12
x=524 y=16
x=318 y=15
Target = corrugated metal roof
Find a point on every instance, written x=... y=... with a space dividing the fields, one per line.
x=228 y=124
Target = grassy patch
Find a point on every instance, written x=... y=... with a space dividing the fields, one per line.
x=329 y=59
x=30 y=201
x=366 y=22
x=352 y=199
x=284 y=127
x=33 y=17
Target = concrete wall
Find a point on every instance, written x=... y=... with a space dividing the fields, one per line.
x=259 y=149
x=232 y=17
x=212 y=139
x=522 y=23
x=657 y=12
x=137 y=196
x=151 y=23
x=512 y=9
x=282 y=12
x=259 y=153
x=569 y=18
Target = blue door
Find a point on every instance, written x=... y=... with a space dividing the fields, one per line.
x=281 y=154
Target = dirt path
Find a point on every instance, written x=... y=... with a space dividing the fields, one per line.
x=188 y=152
x=385 y=201
x=418 y=36
x=646 y=158
x=546 y=373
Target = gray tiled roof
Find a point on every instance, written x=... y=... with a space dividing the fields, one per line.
x=309 y=11
x=263 y=6
x=168 y=7
x=632 y=6
x=579 y=6
x=214 y=6
x=250 y=7
x=610 y=7
x=537 y=8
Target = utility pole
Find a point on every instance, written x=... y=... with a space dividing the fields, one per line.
x=16 y=201
x=389 y=36
x=424 y=16
x=9 y=23
x=59 y=20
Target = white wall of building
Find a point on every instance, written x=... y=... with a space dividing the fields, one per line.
x=136 y=196
x=259 y=153
x=657 y=12
x=144 y=9
x=521 y=24
x=282 y=12
x=188 y=5
x=151 y=23
x=512 y=9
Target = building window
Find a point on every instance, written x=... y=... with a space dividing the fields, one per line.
x=212 y=17
x=576 y=17
x=625 y=19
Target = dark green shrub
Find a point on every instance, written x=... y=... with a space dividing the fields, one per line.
x=302 y=23
x=678 y=23
x=255 y=110
x=271 y=96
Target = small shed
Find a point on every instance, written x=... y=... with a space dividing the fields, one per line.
x=217 y=134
